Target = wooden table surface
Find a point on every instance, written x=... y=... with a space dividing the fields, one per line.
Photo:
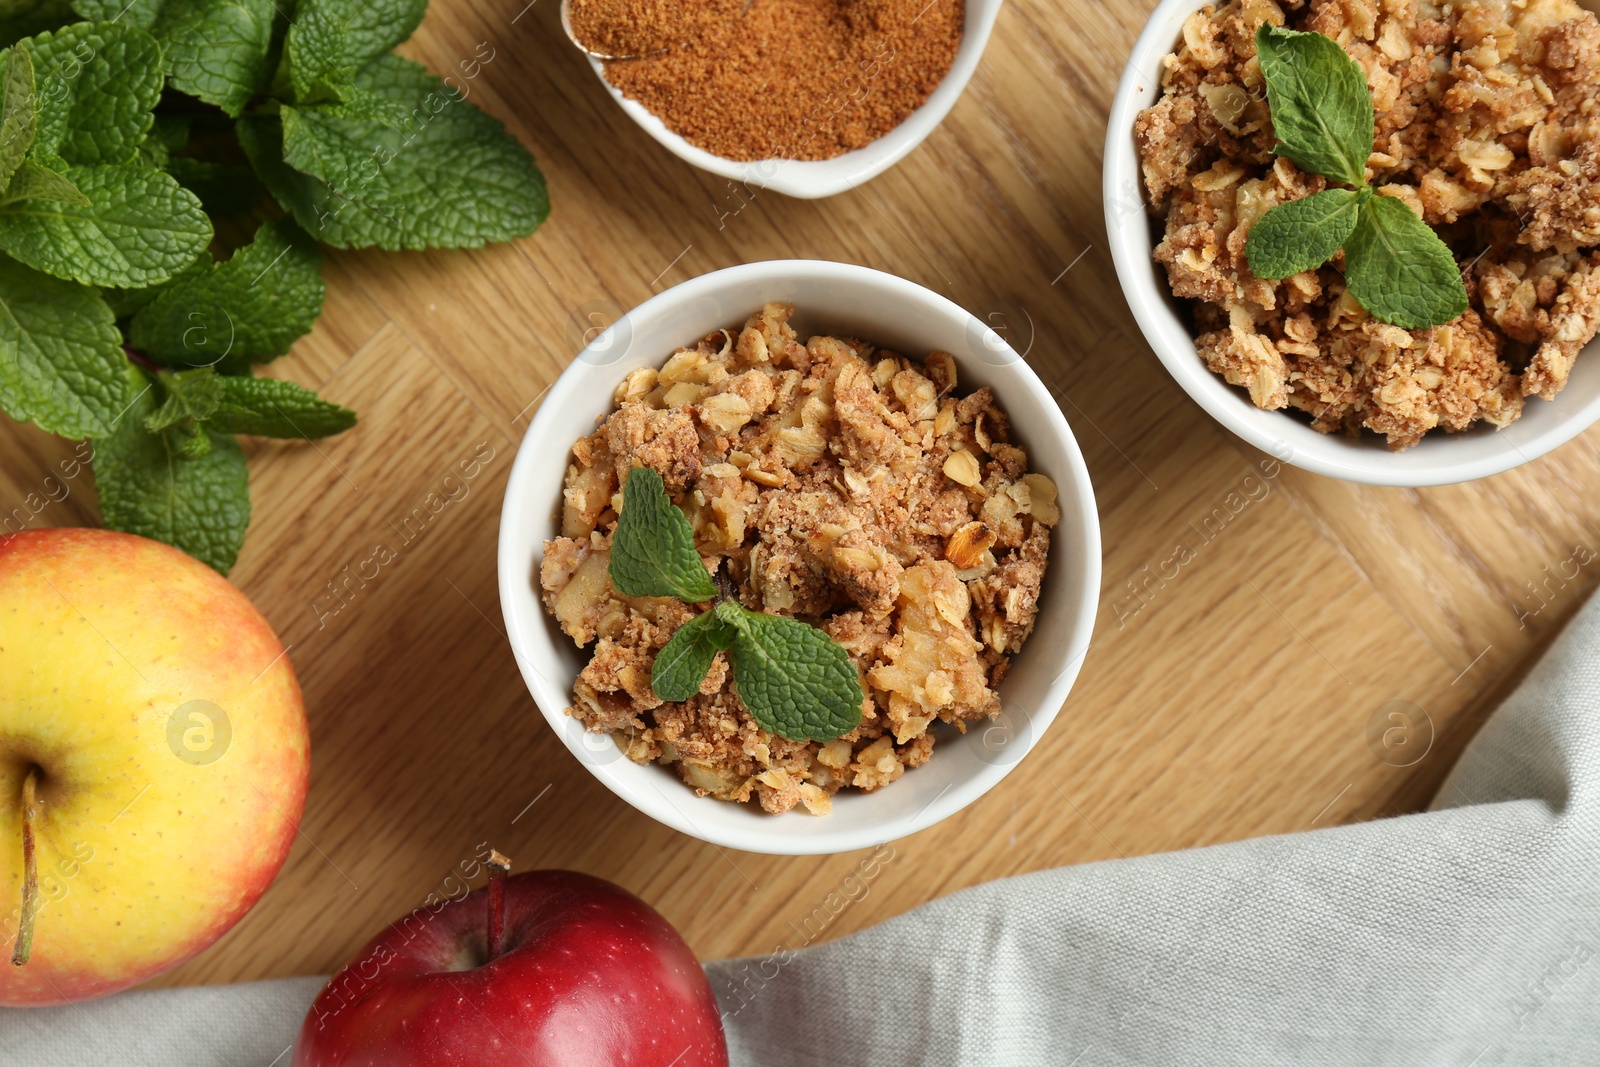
x=1226 y=698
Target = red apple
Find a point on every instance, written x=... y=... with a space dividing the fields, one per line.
x=548 y=968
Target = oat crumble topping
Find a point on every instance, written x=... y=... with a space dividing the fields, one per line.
x=1488 y=126
x=827 y=480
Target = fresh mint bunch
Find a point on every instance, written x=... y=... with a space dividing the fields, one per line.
x=796 y=682
x=124 y=128
x=1395 y=264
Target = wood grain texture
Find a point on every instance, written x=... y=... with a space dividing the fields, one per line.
x=1225 y=697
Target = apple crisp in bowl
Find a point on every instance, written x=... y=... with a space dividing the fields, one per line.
x=842 y=301
x=1488 y=126
x=1487 y=122
x=823 y=479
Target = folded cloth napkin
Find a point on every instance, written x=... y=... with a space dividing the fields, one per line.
x=1464 y=937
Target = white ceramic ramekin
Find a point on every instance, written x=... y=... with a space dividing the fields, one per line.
x=850 y=301
x=1440 y=459
x=813 y=179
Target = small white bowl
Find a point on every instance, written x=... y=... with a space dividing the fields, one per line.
x=1441 y=458
x=849 y=301
x=814 y=179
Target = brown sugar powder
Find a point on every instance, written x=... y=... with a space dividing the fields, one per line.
x=789 y=79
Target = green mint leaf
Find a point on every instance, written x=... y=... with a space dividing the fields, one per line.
x=139 y=228
x=1321 y=106
x=18 y=119
x=652 y=548
x=33 y=182
x=217 y=50
x=223 y=189
x=140 y=14
x=193 y=441
x=333 y=39
x=268 y=407
x=25 y=18
x=125 y=302
x=61 y=359
x=247 y=309
x=190 y=397
x=792 y=678
x=154 y=485
x=358 y=105
x=449 y=177
x=94 y=86
x=1400 y=270
x=1302 y=234
x=681 y=666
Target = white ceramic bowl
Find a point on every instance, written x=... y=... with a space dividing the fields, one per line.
x=813 y=179
x=1440 y=458
x=853 y=301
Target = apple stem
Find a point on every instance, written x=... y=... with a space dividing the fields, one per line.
x=498 y=865
x=30 y=869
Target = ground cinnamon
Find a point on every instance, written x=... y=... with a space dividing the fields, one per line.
x=787 y=79
x=629 y=28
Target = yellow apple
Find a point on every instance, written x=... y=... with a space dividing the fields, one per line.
x=150 y=710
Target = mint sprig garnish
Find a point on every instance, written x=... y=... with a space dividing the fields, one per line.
x=1321 y=109
x=1399 y=268
x=796 y=682
x=791 y=677
x=682 y=663
x=1396 y=266
x=652 y=548
x=1304 y=234
x=123 y=134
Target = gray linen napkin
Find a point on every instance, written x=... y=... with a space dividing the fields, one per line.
x=1463 y=937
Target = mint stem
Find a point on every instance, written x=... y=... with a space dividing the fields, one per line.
x=139 y=359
